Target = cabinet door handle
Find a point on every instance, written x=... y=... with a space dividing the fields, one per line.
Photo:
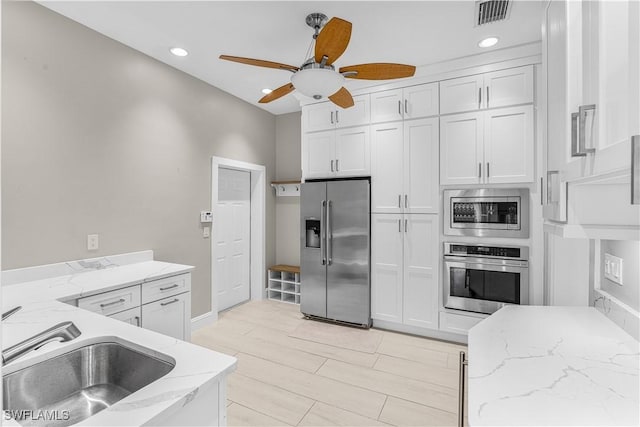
x=461 y=368
x=337 y=117
x=487 y=169
x=109 y=304
x=399 y=107
x=169 y=302
x=406 y=201
x=487 y=96
x=405 y=225
x=582 y=122
x=406 y=107
x=635 y=170
x=541 y=191
x=479 y=170
x=175 y=285
x=337 y=165
x=399 y=200
x=137 y=318
x=332 y=117
x=331 y=165
x=479 y=97
x=399 y=226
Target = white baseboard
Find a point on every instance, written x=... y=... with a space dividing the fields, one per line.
x=203 y=320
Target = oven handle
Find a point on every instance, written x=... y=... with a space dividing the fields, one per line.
x=485 y=264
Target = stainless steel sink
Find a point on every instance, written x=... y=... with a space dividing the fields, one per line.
x=81 y=383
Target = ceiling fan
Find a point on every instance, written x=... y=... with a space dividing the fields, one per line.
x=317 y=77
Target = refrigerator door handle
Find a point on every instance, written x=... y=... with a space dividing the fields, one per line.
x=323 y=231
x=329 y=240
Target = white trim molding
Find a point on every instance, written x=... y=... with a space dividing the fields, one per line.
x=258 y=231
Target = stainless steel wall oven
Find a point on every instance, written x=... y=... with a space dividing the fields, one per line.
x=484 y=278
x=487 y=212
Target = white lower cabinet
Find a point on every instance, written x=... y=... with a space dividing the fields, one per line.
x=404 y=278
x=131 y=316
x=162 y=305
x=168 y=316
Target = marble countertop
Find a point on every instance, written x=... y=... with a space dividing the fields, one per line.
x=532 y=365
x=196 y=368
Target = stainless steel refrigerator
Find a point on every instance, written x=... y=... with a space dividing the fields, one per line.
x=335 y=251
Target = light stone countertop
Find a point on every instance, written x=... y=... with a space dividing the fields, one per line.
x=531 y=365
x=196 y=368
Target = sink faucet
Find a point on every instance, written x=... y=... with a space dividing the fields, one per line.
x=65 y=331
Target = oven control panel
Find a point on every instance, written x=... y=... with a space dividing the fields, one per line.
x=491 y=251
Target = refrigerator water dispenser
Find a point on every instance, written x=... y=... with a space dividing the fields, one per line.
x=313 y=233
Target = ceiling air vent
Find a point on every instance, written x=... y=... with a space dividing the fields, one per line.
x=488 y=11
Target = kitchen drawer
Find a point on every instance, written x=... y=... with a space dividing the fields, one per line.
x=131 y=316
x=112 y=302
x=163 y=288
x=458 y=323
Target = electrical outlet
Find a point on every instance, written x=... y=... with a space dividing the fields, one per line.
x=92 y=242
x=206 y=232
x=613 y=268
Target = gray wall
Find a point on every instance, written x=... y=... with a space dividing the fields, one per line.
x=99 y=138
x=629 y=251
x=288 y=167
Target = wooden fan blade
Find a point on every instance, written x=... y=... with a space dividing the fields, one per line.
x=333 y=40
x=277 y=93
x=379 y=71
x=342 y=98
x=259 y=62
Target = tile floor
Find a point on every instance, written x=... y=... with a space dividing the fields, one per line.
x=298 y=372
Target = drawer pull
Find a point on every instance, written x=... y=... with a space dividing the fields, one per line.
x=169 y=302
x=175 y=285
x=108 y=304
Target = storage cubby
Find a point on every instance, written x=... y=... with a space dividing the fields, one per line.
x=283 y=284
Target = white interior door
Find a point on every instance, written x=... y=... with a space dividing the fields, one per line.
x=233 y=223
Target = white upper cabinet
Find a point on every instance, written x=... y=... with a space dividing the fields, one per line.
x=404 y=167
x=336 y=153
x=327 y=115
x=421 y=164
x=508 y=145
x=352 y=152
x=490 y=90
x=487 y=147
x=319 y=150
x=508 y=87
x=461 y=151
x=407 y=103
x=462 y=94
x=386 y=163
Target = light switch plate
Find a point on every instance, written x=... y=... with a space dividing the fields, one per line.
x=93 y=242
x=613 y=268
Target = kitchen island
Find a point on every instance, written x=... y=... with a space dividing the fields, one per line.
x=192 y=393
x=533 y=365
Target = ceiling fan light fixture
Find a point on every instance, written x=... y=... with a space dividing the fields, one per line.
x=267 y=91
x=317 y=83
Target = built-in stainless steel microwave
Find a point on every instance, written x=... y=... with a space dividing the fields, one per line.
x=487 y=212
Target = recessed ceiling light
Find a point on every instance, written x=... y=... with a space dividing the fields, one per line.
x=178 y=51
x=267 y=91
x=488 y=42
